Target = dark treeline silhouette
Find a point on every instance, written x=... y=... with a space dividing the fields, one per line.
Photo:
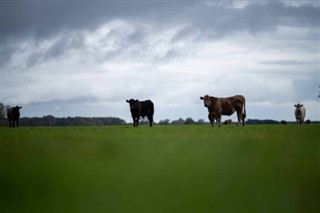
x=257 y=121
x=50 y=120
x=181 y=121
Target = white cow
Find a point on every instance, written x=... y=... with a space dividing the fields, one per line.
x=300 y=113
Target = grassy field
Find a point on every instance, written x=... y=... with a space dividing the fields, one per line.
x=265 y=168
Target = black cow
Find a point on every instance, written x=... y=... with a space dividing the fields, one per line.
x=13 y=114
x=141 y=108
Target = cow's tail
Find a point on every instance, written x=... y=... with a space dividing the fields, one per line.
x=151 y=112
x=151 y=108
x=244 y=115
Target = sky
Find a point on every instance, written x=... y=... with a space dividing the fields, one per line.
x=86 y=58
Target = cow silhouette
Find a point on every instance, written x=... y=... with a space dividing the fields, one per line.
x=299 y=113
x=141 y=109
x=13 y=114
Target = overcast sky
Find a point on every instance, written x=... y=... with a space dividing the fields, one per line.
x=85 y=58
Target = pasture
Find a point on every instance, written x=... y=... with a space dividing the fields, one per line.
x=262 y=168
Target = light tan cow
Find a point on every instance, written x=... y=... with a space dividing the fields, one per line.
x=300 y=113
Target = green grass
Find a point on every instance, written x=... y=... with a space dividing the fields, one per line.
x=271 y=168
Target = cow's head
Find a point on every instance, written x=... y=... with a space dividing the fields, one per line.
x=207 y=100
x=298 y=108
x=16 y=109
x=132 y=103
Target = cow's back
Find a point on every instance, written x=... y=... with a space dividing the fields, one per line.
x=302 y=113
x=147 y=108
x=227 y=106
x=231 y=104
x=9 y=113
x=16 y=114
x=239 y=100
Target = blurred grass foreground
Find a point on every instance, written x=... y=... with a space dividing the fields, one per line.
x=263 y=168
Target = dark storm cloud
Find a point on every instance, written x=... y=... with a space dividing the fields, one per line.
x=38 y=20
x=60 y=46
x=42 y=19
x=254 y=18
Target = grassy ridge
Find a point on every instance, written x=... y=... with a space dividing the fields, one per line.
x=160 y=169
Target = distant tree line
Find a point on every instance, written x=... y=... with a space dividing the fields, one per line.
x=2 y=111
x=181 y=121
x=257 y=121
x=50 y=120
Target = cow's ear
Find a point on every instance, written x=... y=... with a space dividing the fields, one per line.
x=295 y=105
x=20 y=107
x=127 y=101
x=136 y=100
x=301 y=105
x=201 y=98
x=211 y=97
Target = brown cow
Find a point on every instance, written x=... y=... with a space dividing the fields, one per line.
x=13 y=114
x=225 y=106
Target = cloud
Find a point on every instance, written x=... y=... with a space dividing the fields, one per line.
x=288 y=62
x=22 y=18
x=94 y=56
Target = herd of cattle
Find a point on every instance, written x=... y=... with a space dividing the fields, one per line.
x=216 y=108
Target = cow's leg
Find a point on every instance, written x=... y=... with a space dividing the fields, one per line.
x=219 y=120
x=13 y=123
x=9 y=123
x=239 y=115
x=134 y=121
x=18 y=123
x=243 y=120
x=137 y=121
x=211 y=120
x=150 y=118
